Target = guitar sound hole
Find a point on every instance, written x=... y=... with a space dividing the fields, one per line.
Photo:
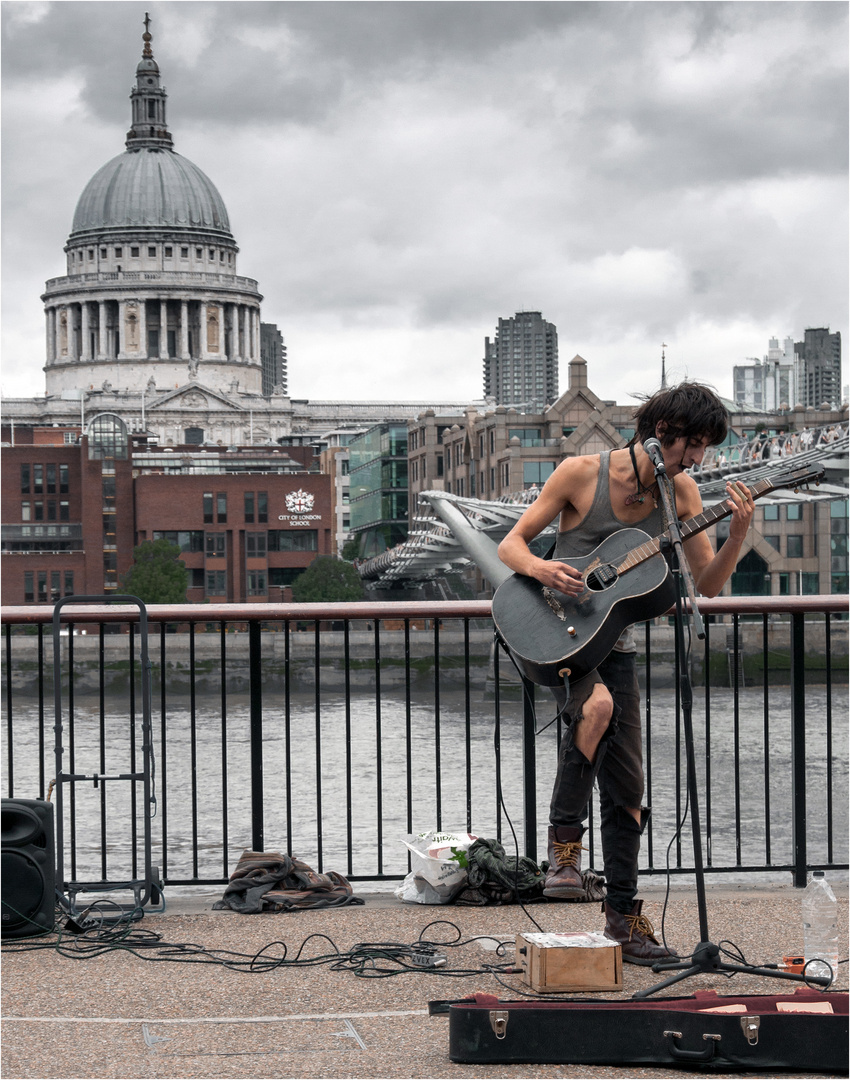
x=601 y=577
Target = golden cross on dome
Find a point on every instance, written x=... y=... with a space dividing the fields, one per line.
x=146 y=37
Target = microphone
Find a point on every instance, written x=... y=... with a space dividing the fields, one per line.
x=653 y=448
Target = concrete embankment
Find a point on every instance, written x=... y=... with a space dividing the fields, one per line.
x=189 y=660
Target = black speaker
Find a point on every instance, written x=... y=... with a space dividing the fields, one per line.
x=27 y=887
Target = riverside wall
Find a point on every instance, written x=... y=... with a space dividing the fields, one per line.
x=295 y=660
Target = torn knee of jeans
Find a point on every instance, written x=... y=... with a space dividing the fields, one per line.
x=612 y=723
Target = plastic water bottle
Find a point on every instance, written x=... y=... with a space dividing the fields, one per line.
x=820 y=926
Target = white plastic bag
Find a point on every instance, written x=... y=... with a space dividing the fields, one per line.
x=438 y=867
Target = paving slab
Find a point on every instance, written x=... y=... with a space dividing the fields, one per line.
x=193 y=992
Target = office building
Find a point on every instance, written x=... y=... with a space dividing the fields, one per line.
x=521 y=362
x=819 y=368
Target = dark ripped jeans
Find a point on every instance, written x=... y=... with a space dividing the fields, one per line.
x=618 y=771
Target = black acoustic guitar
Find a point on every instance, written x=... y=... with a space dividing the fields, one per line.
x=626 y=580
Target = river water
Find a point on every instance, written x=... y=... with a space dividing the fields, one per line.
x=309 y=763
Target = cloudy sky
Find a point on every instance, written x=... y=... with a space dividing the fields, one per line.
x=400 y=175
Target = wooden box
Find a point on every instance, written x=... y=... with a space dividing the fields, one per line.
x=568 y=962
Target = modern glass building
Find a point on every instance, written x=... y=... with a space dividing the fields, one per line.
x=378 y=488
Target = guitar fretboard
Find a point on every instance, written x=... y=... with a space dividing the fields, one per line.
x=707 y=518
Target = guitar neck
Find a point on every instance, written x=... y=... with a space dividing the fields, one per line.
x=692 y=526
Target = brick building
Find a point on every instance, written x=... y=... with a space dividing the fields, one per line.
x=248 y=521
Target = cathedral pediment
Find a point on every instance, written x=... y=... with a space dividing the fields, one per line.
x=195 y=396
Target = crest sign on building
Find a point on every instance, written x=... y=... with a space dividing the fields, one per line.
x=299 y=504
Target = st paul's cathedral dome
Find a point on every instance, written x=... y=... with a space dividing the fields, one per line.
x=151 y=298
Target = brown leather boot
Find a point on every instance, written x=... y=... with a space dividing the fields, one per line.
x=563 y=878
x=635 y=934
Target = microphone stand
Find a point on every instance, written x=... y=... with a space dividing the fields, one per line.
x=705 y=958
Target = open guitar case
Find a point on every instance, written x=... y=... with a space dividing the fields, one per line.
x=750 y=1033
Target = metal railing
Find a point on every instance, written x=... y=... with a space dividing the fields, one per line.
x=334 y=730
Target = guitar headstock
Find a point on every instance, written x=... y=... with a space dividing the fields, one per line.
x=798 y=478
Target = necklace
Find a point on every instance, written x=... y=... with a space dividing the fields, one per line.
x=642 y=492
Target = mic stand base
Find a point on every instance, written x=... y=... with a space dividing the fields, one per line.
x=706 y=961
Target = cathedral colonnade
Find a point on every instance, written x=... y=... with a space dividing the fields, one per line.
x=164 y=328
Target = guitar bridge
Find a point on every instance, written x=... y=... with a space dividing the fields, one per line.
x=554 y=603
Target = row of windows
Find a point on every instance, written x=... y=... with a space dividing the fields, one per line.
x=257 y=582
x=793 y=512
x=793 y=545
x=46 y=510
x=255 y=507
x=46 y=586
x=168 y=252
x=44 y=479
x=214 y=545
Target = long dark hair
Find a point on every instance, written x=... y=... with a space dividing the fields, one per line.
x=689 y=409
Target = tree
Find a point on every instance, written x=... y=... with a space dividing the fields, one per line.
x=158 y=575
x=351 y=549
x=327 y=580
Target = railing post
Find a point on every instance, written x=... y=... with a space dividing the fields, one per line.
x=529 y=769
x=798 y=748
x=255 y=670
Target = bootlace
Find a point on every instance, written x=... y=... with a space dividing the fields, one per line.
x=567 y=854
x=639 y=924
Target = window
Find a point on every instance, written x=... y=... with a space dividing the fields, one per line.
x=91 y=254
x=152 y=252
x=199 y=253
x=794 y=547
x=257 y=583
x=215 y=548
x=280 y=576
x=63 y=477
x=25 y=479
x=134 y=252
x=255 y=545
x=169 y=252
x=794 y=512
x=37 y=479
x=29 y=595
x=184 y=253
x=536 y=472
x=119 y=252
x=809 y=584
x=293 y=540
x=26 y=511
x=216 y=583
x=51 y=479
x=208 y=507
x=221 y=507
x=187 y=540
x=103 y=253
x=249 y=506
x=773 y=541
x=69 y=582
x=262 y=507
x=771 y=513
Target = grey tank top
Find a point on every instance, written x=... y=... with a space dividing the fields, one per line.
x=597 y=524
